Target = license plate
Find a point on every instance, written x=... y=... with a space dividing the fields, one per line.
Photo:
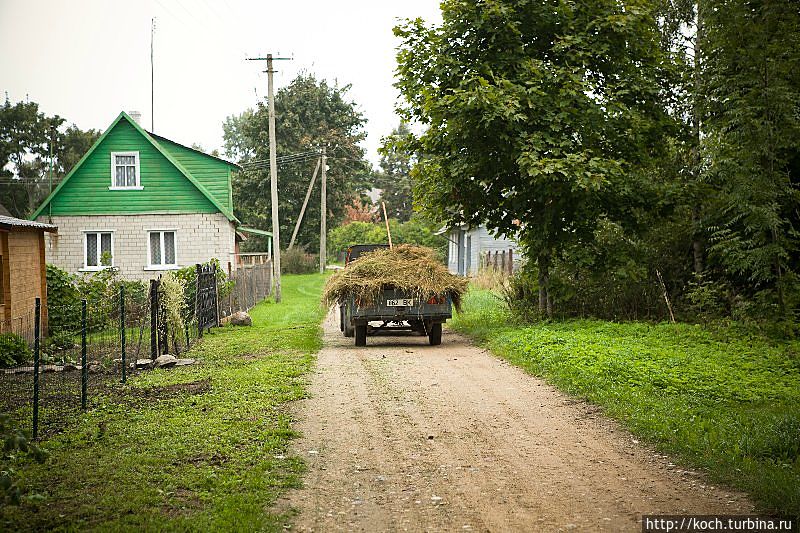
x=401 y=302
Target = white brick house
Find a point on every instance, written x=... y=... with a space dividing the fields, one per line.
x=142 y=204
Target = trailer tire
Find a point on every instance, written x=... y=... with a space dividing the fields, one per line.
x=435 y=334
x=361 y=335
x=347 y=327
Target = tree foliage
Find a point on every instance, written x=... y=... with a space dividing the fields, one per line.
x=537 y=112
x=394 y=178
x=414 y=231
x=751 y=71
x=26 y=138
x=309 y=114
x=629 y=140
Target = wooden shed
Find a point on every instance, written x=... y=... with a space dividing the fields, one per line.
x=24 y=274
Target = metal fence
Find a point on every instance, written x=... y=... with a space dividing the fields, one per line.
x=80 y=352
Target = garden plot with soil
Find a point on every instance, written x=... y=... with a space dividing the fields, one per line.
x=399 y=435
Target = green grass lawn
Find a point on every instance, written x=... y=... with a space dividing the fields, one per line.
x=192 y=448
x=721 y=400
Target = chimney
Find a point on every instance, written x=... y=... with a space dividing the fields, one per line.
x=136 y=116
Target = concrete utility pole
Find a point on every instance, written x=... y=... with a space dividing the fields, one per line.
x=323 y=216
x=273 y=175
x=305 y=203
x=273 y=183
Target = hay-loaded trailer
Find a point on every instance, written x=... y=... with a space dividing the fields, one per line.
x=396 y=310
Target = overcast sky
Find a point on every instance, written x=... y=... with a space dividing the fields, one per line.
x=87 y=60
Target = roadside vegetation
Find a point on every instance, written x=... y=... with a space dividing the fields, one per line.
x=192 y=448
x=415 y=231
x=725 y=399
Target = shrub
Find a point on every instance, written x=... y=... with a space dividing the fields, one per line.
x=62 y=297
x=339 y=239
x=189 y=276
x=61 y=341
x=172 y=292
x=298 y=261
x=521 y=294
x=13 y=350
x=414 y=231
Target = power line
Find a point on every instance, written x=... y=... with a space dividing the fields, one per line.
x=315 y=153
x=263 y=163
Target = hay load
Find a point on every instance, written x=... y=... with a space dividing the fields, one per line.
x=412 y=269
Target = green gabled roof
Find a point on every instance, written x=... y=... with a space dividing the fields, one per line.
x=193 y=150
x=205 y=168
x=169 y=155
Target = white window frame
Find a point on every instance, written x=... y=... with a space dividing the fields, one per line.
x=99 y=267
x=114 y=186
x=162 y=266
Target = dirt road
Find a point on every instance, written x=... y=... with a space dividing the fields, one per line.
x=404 y=436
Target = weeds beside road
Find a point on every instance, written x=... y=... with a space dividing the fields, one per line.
x=724 y=401
x=197 y=448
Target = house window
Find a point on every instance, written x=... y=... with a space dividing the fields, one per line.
x=161 y=249
x=98 y=250
x=125 y=170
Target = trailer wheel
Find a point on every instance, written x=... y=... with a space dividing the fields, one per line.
x=361 y=335
x=435 y=334
x=347 y=327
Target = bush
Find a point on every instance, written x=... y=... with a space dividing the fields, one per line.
x=189 y=276
x=172 y=293
x=521 y=294
x=61 y=341
x=414 y=231
x=58 y=346
x=13 y=350
x=298 y=261
x=339 y=239
x=62 y=297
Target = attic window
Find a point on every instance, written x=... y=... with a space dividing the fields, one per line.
x=125 y=171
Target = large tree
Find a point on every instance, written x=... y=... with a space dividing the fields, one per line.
x=394 y=177
x=309 y=114
x=26 y=138
x=751 y=72
x=539 y=115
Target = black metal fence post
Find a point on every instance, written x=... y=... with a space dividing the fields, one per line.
x=122 y=330
x=36 y=356
x=153 y=319
x=198 y=292
x=163 y=323
x=84 y=364
x=216 y=296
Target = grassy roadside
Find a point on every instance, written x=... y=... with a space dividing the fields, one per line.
x=720 y=400
x=192 y=448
